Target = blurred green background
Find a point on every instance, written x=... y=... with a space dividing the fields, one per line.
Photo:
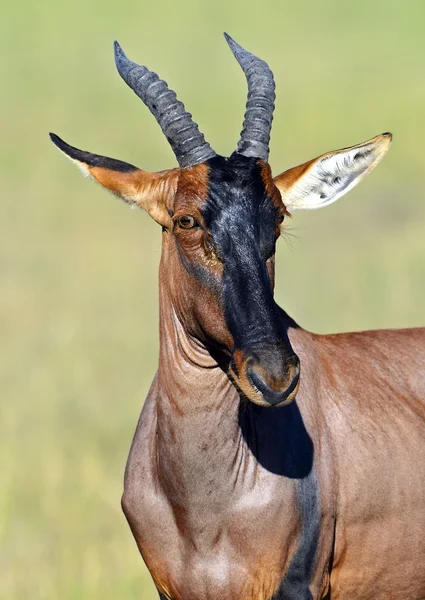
x=78 y=302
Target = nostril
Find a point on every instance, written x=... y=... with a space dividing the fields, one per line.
x=294 y=381
x=257 y=381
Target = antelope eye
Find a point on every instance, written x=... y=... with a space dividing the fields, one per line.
x=186 y=222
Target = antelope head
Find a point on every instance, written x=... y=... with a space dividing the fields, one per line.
x=221 y=218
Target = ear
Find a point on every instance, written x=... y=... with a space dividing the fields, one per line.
x=323 y=180
x=150 y=191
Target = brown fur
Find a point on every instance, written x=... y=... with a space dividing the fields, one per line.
x=271 y=186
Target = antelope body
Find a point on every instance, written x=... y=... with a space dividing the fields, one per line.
x=269 y=463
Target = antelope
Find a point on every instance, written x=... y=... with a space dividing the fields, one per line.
x=269 y=463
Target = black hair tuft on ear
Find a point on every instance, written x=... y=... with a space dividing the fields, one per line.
x=92 y=160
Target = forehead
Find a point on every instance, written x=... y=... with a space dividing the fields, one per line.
x=237 y=186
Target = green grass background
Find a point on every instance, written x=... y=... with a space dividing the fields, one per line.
x=78 y=301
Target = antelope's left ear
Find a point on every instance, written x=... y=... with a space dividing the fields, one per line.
x=149 y=191
x=323 y=180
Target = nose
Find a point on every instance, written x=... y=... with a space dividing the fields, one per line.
x=276 y=385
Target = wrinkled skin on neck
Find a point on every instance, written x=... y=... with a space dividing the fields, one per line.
x=219 y=274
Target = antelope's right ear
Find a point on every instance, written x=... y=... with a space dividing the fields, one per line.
x=150 y=191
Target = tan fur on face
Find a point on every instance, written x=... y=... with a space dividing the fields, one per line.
x=191 y=192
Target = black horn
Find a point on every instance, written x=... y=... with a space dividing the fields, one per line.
x=255 y=135
x=187 y=142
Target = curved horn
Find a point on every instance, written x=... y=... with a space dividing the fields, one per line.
x=255 y=135
x=187 y=142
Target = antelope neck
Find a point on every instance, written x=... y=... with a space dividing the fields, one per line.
x=199 y=442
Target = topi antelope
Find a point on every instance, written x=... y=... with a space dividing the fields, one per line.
x=268 y=462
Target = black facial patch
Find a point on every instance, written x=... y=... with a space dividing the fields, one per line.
x=239 y=206
x=242 y=218
x=92 y=160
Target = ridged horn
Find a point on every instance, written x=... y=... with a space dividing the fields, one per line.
x=255 y=135
x=183 y=134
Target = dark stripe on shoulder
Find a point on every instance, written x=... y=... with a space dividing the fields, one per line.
x=295 y=584
x=287 y=450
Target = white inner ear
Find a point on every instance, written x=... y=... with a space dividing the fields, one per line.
x=330 y=177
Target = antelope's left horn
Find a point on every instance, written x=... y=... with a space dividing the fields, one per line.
x=183 y=134
x=255 y=135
